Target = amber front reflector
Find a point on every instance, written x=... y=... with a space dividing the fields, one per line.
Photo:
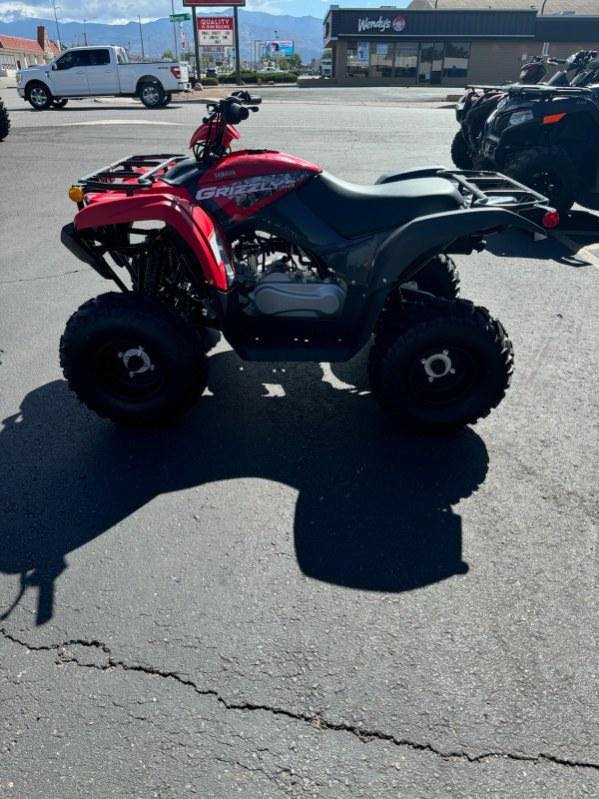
x=76 y=194
x=553 y=118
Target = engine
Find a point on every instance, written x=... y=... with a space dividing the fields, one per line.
x=276 y=278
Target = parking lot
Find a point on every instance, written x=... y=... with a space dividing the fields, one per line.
x=285 y=594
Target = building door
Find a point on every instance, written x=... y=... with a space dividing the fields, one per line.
x=430 y=67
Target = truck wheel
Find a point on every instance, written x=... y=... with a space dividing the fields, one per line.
x=460 y=154
x=130 y=358
x=4 y=121
x=59 y=102
x=151 y=94
x=444 y=373
x=39 y=96
x=167 y=98
x=548 y=171
x=439 y=277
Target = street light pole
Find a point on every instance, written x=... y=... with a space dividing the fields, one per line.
x=175 y=31
x=57 y=28
x=141 y=36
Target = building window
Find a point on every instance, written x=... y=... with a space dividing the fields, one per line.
x=406 y=60
x=455 y=61
x=358 y=57
x=381 y=60
x=430 y=68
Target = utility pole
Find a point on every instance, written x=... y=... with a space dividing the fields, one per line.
x=175 y=31
x=141 y=36
x=237 y=56
x=57 y=28
x=194 y=20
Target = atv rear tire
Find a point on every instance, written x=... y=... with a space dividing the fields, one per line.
x=130 y=358
x=439 y=277
x=4 y=121
x=550 y=172
x=460 y=153
x=443 y=373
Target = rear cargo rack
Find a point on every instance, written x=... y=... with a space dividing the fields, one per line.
x=125 y=175
x=494 y=189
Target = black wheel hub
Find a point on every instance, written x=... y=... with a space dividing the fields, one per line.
x=130 y=371
x=441 y=375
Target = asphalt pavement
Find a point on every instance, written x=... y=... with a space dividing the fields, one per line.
x=284 y=594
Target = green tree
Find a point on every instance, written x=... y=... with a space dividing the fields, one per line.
x=168 y=55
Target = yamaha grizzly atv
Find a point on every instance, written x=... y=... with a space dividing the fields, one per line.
x=4 y=121
x=479 y=102
x=291 y=264
x=548 y=138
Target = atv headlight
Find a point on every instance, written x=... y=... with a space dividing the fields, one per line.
x=520 y=117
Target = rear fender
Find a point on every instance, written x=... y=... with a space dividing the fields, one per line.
x=191 y=222
x=412 y=246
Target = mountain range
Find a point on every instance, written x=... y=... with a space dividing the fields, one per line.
x=306 y=31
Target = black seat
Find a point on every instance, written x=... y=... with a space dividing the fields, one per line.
x=183 y=172
x=353 y=210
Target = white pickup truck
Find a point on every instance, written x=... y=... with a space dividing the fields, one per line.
x=100 y=72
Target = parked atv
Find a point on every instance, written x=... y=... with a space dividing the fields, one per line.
x=548 y=138
x=479 y=102
x=291 y=264
x=4 y=121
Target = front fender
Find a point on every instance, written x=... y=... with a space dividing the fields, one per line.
x=192 y=223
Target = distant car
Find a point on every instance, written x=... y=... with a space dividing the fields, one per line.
x=100 y=72
x=211 y=73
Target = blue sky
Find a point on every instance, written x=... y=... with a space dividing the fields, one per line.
x=120 y=10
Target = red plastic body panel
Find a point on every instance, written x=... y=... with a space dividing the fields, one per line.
x=242 y=183
x=204 y=132
x=173 y=207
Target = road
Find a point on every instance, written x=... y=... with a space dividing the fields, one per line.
x=283 y=594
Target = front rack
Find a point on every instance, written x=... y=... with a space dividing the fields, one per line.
x=135 y=171
x=492 y=189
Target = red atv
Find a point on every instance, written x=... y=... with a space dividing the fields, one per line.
x=291 y=264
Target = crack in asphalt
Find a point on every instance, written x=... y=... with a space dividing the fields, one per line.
x=41 y=277
x=314 y=720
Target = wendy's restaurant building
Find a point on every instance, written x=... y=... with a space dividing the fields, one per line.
x=439 y=47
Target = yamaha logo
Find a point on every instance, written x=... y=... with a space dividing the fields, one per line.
x=399 y=23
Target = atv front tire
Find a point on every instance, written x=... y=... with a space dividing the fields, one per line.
x=130 y=358
x=460 y=152
x=550 y=172
x=444 y=373
x=4 y=121
x=439 y=277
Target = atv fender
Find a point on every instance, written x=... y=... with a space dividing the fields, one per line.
x=406 y=250
x=410 y=247
x=192 y=223
x=394 y=177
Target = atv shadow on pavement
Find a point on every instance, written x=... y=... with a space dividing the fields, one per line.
x=374 y=506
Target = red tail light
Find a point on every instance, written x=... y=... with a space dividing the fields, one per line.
x=551 y=119
x=176 y=72
x=551 y=219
